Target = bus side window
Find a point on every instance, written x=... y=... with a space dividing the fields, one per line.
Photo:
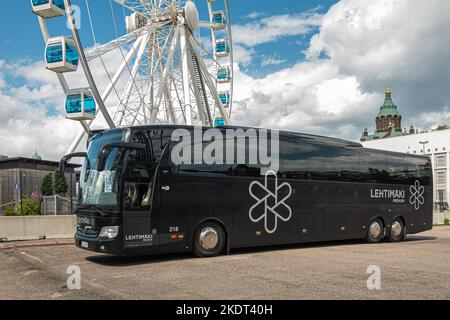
x=419 y=169
x=300 y=160
x=138 y=187
x=166 y=164
x=342 y=164
x=398 y=170
x=246 y=159
x=374 y=167
x=203 y=168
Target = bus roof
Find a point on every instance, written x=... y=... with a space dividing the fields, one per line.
x=285 y=134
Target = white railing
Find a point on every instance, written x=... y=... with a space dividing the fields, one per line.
x=10 y=204
x=57 y=205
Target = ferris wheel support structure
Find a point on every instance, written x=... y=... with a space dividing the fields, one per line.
x=171 y=77
x=185 y=69
x=210 y=84
x=85 y=66
x=104 y=95
x=141 y=43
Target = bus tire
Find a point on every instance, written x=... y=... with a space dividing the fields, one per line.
x=375 y=231
x=397 y=230
x=209 y=240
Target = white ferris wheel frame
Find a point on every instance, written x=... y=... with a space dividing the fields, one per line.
x=182 y=37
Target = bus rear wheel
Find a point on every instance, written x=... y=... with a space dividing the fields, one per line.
x=209 y=240
x=397 y=232
x=375 y=231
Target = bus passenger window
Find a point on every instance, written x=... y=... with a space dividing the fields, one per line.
x=302 y=161
x=419 y=169
x=138 y=188
x=204 y=168
x=342 y=164
x=398 y=170
x=374 y=167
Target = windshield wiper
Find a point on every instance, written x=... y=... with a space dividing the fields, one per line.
x=96 y=208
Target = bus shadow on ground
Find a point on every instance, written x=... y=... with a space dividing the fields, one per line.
x=121 y=261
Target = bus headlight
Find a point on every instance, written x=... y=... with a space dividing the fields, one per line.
x=109 y=232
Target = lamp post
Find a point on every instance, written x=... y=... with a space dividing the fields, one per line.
x=20 y=192
x=424 y=143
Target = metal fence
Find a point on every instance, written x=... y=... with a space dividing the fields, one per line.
x=6 y=205
x=57 y=205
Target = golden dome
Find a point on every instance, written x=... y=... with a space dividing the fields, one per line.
x=388 y=92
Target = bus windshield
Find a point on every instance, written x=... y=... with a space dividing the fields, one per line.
x=101 y=188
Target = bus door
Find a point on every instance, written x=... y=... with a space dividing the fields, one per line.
x=139 y=225
x=174 y=194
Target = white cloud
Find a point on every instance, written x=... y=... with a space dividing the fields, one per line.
x=32 y=115
x=309 y=97
x=2 y=81
x=369 y=45
x=271 y=61
x=255 y=15
x=243 y=55
x=273 y=28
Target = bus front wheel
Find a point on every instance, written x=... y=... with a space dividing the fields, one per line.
x=375 y=231
x=397 y=231
x=209 y=240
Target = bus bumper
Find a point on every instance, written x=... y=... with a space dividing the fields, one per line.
x=112 y=246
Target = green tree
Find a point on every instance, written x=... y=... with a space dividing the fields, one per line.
x=442 y=127
x=53 y=184
x=59 y=184
x=47 y=185
x=31 y=207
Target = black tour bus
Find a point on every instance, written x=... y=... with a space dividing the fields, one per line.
x=133 y=198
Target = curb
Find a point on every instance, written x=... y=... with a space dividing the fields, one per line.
x=37 y=243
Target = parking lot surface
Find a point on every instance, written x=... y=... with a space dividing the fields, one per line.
x=418 y=268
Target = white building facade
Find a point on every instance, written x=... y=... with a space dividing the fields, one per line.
x=435 y=144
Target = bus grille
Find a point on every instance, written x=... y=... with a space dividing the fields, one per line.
x=88 y=233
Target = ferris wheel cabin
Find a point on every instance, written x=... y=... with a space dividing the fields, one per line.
x=224 y=74
x=48 y=8
x=135 y=21
x=61 y=55
x=219 y=122
x=223 y=48
x=80 y=105
x=225 y=98
x=219 y=20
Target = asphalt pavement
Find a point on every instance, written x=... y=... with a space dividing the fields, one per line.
x=418 y=268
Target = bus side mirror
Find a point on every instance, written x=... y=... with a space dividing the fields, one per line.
x=104 y=152
x=67 y=158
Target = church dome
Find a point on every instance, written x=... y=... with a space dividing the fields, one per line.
x=388 y=108
x=388 y=121
x=36 y=157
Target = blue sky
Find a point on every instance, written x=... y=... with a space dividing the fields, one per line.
x=21 y=39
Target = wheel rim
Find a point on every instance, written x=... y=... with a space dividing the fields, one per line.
x=375 y=230
x=396 y=229
x=209 y=238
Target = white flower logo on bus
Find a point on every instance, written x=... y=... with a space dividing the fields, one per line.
x=417 y=199
x=268 y=202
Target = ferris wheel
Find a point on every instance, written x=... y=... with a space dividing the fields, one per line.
x=167 y=71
